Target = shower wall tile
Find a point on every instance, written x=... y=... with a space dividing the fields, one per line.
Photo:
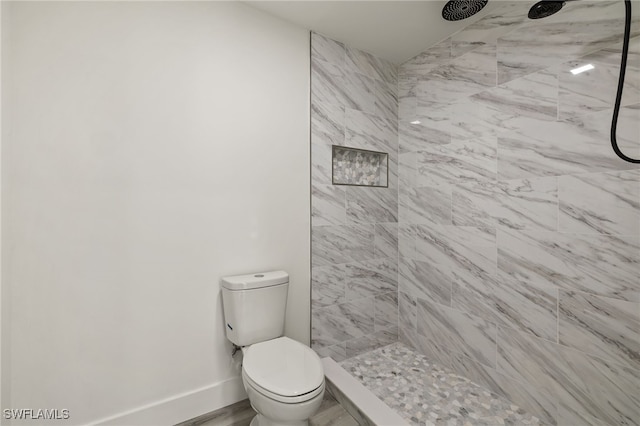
x=328 y=50
x=581 y=383
x=427 y=60
x=321 y=169
x=425 y=205
x=327 y=286
x=597 y=264
x=327 y=124
x=601 y=326
x=407 y=311
x=329 y=207
x=338 y=323
x=341 y=244
x=424 y=280
x=541 y=404
x=414 y=137
x=371 y=278
x=386 y=240
x=518 y=204
x=519 y=234
x=605 y=203
x=386 y=101
x=459 y=332
x=529 y=307
x=354 y=235
x=459 y=162
x=369 y=131
x=386 y=311
x=371 y=205
x=534 y=147
x=535 y=95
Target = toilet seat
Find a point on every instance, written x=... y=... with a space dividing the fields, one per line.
x=284 y=370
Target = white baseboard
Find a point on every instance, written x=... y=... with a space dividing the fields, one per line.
x=181 y=407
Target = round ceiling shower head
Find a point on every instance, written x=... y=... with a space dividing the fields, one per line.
x=545 y=8
x=456 y=10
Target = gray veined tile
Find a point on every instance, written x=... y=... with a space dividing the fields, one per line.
x=371 y=278
x=406 y=240
x=336 y=352
x=468 y=251
x=327 y=83
x=338 y=323
x=588 y=27
x=423 y=63
x=386 y=311
x=594 y=90
x=597 y=264
x=328 y=205
x=341 y=244
x=369 y=131
x=370 y=342
x=321 y=163
x=407 y=106
x=458 y=332
x=581 y=383
x=425 y=205
x=386 y=240
x=535 y=95
x=459 y=162
x=601 y=326
x=535 y=147
x=518 y=204
x=526 y=306
x=407 y=170
x=424 y=280
x=487 y=30
x=607 y=203
x=460 y=78
x=472 y=120
x=327 y=124
x=327 y=49
x=407 y=311
x=371 y=205
x=370 y=65
x=358 y=92
x=386 y=101
x=598 y=125
x=415 y=137
x=541 y=404
x=327 y=286
x=406 y=86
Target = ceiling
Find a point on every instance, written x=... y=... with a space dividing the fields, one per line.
x=393 y=30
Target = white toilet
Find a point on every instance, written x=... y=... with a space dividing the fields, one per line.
x=283 y=378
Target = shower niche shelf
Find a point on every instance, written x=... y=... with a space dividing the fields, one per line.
x=359 y=167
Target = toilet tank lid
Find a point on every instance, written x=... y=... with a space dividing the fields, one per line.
x=257 y=280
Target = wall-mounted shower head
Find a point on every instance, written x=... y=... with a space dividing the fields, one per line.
x=545 y=8
x=456 y=10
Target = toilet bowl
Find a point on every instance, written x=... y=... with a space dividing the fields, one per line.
x=284 y=380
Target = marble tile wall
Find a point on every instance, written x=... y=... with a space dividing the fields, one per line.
x=518 y=228
x=354 y=233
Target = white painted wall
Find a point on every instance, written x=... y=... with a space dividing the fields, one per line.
x=153 y=148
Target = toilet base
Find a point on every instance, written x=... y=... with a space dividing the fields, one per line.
x=260 y=420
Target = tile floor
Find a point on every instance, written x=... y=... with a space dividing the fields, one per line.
x=330 y=413
x=425 y=393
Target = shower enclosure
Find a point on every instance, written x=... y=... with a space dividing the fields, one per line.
x=505 y=249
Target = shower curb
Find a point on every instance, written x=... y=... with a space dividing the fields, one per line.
x=366 y=408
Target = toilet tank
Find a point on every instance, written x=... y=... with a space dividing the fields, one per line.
x=254 y=306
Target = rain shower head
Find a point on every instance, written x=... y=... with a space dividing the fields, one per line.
x=456 y=10
x=545 y=8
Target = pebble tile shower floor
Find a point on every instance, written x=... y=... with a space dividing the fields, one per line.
x=425 y=393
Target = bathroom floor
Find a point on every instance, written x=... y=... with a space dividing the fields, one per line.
x=330 y=413
x=425 y=393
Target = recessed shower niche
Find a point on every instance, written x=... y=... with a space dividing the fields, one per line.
x=359 y=167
